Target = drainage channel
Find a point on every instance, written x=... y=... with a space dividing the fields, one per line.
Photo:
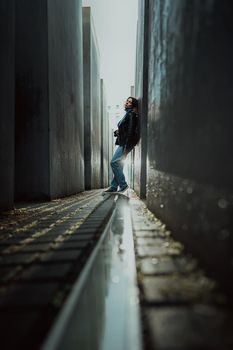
x=102 y=311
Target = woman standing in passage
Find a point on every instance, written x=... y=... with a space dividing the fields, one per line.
x=127 y=136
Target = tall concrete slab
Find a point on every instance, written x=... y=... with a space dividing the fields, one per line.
x=92 y=117
x=7 y=104
x=32 y=101
x=49 y=120
x=104 y=137
x=66 y=97
x=111 y=144
x=141 y=92
x=190 y=102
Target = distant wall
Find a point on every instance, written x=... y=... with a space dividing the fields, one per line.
x=7 y=104
x=112 y=141
x=49 y=107
x=141 y=92
x=104 y=137
x=190 y=103
x=92 y=117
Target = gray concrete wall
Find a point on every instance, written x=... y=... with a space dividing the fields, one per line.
x=7 y=104
x=66 y=97
x=111 y=144
x=87 y=96
x=48 y=99
x=32 y=105
x=92 y=117
x=190 y=161
x=104 y=137
x=141 y=92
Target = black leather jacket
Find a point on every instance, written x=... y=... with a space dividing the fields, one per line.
x=128 y=131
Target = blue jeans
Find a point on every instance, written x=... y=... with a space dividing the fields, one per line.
x=117 y=164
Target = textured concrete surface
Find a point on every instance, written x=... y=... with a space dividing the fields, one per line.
x=104 y=313
x=181 y=307
x=32 y=100
x=92 y=117
x=141 y=93
x=66 y=97
x=7 y=96
x=36 y=277
x=190 y=101
x=45 y=246
x=49 y=119
x=104 y=137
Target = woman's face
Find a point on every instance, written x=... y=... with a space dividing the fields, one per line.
x=129 y=103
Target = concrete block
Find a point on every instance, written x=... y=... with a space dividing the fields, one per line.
x=167 y=265
x=104 y=138
x=17 y=259
x=201 y=327
x=158 y=266
x=66 y=97
x=23 y=323
x=141 y=92
x=61 y=256
x=7 y=97
x=147 y=233
x=92 y=117
x=142 y=241
x=48 y=272
x=178 y=289
x=150 y=251
x=190 y=102
x=49 y=100
x=70 y=244
x=34 y=248
x=111 y=150
x=25 y=295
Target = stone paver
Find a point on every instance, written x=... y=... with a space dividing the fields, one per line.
x=43 y=254
x=147 y=233
x=167 y=265
x=30 y=294
x=81 y=237
x=142 y=241
x=17 y=259
x=181 y=307
x=25 y=322
x=177 y=289
x=43 y=249
x=61 y=255
x=48 y=272
x=154 y=266
x=198 y=327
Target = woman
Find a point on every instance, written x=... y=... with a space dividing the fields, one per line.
x=127 y=137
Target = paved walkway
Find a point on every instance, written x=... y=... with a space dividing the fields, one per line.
x=45 y=246
x=181 y=307
x=43 y=249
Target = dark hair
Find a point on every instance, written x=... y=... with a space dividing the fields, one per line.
x=134 y=101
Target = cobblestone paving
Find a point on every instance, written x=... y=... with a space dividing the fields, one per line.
x=181 y=307
x=45 y=245
x=43 y=249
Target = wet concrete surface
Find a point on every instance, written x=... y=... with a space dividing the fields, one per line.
x=181 y=306
x=122 y=327
x=103 y=310
x=36 y=278
x=92 y=272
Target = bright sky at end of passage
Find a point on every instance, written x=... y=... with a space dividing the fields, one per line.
x=115 y=23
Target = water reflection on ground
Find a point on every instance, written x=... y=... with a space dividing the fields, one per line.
x=102 y=312
x=121 y=329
